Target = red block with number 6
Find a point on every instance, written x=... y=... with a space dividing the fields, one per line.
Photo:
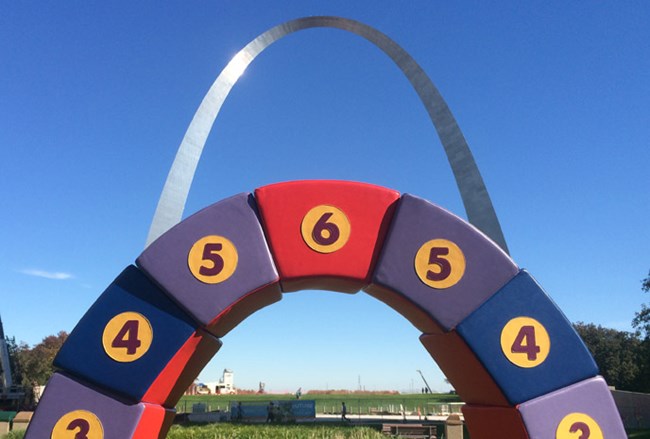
x=325 y=234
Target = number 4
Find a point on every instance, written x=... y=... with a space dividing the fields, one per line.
x=525 y=343
x=127 y=337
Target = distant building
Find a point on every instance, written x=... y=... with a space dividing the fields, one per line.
x=226 y=385
x=193 y=389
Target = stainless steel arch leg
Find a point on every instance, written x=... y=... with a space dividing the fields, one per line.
x=473 y=192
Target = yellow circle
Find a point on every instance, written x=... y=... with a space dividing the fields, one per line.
x=525 y=342
x=325 y=229
x=440 y=263
x=213 y=259
x=78 y=424
x=578 y=426
x=127 y=337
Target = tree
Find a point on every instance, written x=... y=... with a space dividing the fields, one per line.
x=641 y=323
x=616 y=353
x=641 y=320
x=13 y=349
x=36 y=363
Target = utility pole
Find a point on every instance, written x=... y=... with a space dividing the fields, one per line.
x=11 y=397
x=425 y=381
x=5 y=367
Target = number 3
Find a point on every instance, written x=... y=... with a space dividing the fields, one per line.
x=78 y=424
x=82 y=425
x=584 y=430
x=578 y=426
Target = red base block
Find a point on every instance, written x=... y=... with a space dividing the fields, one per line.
x=237 y=312
x=154 y=423
x=182 y=369
x=463 y=369
x=325 y=234
x=413 y=313
x=494 y=422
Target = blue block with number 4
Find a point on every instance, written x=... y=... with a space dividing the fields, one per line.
x=128 y=337
x=525 y=342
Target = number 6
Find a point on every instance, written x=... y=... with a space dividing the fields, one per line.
x=321 y=226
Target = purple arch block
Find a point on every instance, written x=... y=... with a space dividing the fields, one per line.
x=120 y=420
x=254 y=283
x=395 y=281
x=543 y=415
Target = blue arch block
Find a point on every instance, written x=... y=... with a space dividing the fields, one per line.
x=568 y=360
x=83 y=354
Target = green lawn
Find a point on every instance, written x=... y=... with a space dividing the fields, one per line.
x=641 y=434
x=356 y=403
x=229 y=431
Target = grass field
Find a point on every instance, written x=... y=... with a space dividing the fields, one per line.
x=226 y=431
x=324 y=403
x=299 y=432
x=357 y=403
x=231 y=431
x=642 y=434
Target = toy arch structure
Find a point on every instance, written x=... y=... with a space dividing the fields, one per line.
x=511 y=354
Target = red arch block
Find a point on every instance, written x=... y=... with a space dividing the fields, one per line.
x=367 y=209
x=485 y=422
x=464 y=370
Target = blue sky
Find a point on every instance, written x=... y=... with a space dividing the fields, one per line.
x=95 y=97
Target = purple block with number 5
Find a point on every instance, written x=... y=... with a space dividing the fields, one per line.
x=585 y=409
x=437 y=265
x=69 y=408
x=216 y=264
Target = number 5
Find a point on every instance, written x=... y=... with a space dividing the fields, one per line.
x=212 y=259
x=210 y=254
x=440 y=263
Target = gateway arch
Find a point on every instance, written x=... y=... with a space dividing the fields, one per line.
x=476 y=200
